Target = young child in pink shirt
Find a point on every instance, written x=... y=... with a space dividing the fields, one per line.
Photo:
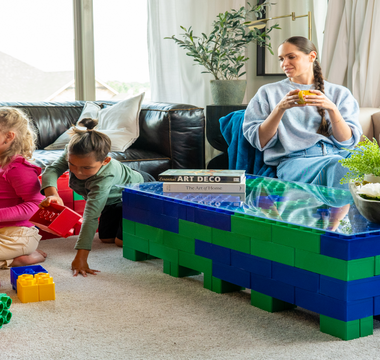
x=19 y=191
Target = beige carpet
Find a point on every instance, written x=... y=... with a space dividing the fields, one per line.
x=132 y=310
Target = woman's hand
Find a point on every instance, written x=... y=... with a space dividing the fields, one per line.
x=55 y=199
x=290 y=100
x=320 y=100
x=80 y=265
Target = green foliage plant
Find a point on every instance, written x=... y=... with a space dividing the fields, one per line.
x=222 y=52
x=364 y=159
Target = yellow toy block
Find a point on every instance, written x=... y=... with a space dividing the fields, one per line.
x=27 y=288
x=46 y=286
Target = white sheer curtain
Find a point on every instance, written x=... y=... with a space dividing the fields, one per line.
x=173 y=76
x=351 y=48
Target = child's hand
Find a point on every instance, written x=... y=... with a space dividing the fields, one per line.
x=49 y=200
x=80 y=266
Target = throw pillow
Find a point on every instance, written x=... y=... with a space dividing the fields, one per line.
x=90 y=110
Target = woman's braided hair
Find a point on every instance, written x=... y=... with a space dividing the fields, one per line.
x=306 y=46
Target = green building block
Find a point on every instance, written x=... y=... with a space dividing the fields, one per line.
x=253 y=227
x=297 y=237
x=181 y=271
x=268 y=303
x=150 y=233
x=1 y=322
x=129 y=227
x=133 y=255
x=6 y=315
x=344 y=330
x=77 y=196
x=163 y=252
x=366 y=326
x=272 y=251
x=377 y=265
x=136 y=243
x=6 y=301
x=336 y=268
x=220 y=286
x=179 y=242
x=196 y=231
x=167 y=267
x=231 y=240
x=195 y=262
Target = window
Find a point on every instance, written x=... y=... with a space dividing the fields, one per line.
x=36 y=50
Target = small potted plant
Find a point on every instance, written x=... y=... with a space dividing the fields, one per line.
x=222 y=52
x=364 y=178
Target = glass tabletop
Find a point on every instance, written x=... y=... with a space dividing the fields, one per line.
x=313 y=206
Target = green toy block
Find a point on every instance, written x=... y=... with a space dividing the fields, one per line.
x=77 y=196
x=272 y=251
x=377 y=265
x=181 y=271
x=253 y=227
x=179 y=242
x=344 y=330
x=366 y=326
x=133 y=255
x=196 y=231
x=207 y=280
x=195 y=262
x=136 y=243
x=231 y=240
x=297 y=237
x=5 y=301
x=269 y=303
x=167 y=267
x=150 y=233
x=336 y=268
x=163 y=252
x=129 y=227
x=220 y=286
x=6 y=315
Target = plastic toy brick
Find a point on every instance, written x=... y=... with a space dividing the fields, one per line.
x=196 y=231
x=350 y=247
x=56 y=219
x=46 y=287
x=77 y=197
x=231 y=240
x=163 y=222
x=251 y=263
x=350 y=290
x=79 y=206
x=218 y=219
x=136 y=243
x=149 y=233
x=271 y=251
x=164 y=252
x=254 y=227
x=195 y=262
x=296 y=277
x=179 y=242
x=17 y=271
x=27 y=288
x=5 y=301
x=334 y=308
x=5 y=316
x=273 y=288
x=220 y=286
x=231 y=274
x=135 y=214
x=214 y=252
x=269 y=303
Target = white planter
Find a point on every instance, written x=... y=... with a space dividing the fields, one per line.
x=372 y=178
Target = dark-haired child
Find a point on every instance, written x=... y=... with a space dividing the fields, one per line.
x=94 y=175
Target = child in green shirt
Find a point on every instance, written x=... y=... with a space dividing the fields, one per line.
x=93 y=174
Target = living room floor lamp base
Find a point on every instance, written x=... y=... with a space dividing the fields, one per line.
x=228 y=92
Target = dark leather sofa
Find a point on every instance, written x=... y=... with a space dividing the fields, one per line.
x=172 y=136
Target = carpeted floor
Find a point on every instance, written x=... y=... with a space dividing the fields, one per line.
x=132 y=310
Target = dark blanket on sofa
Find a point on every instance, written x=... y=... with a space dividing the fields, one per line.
x=241 y=154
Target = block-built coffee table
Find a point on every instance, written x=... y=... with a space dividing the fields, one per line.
x=292 y=244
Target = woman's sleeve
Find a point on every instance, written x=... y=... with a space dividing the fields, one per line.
x=24 y=180
x=54 y=171
x=257 y=111
x=349 y=109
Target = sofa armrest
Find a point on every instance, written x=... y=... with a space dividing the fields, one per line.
x=174 y=130
x=366 y=119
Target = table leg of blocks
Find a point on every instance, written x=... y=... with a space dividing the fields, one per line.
x=284 y=265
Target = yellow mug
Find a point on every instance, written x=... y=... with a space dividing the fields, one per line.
x=301 y=95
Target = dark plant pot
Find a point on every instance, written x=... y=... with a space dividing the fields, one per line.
x=228 y=92
x=370 y=209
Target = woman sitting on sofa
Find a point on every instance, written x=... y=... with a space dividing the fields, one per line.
x=305 y=141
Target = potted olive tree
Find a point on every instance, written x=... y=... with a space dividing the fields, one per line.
x=222 y=52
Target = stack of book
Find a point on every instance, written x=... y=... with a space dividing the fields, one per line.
x=203 y=181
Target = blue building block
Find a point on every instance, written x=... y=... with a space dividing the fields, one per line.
x=376 y=305
x=350 y=247
x=230 y=274
x=350 y=290
x=273 y=288
x=297 y=277
x=251 y=263
x=172 y=208
x=213 y=252
x=134 y=214
x=334 y=308
x=163 y=222
x=17 y=271
x=190 y=213
x=216 y=218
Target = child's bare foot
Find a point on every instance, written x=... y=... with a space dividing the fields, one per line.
x=35 y=257
x=119 y=242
